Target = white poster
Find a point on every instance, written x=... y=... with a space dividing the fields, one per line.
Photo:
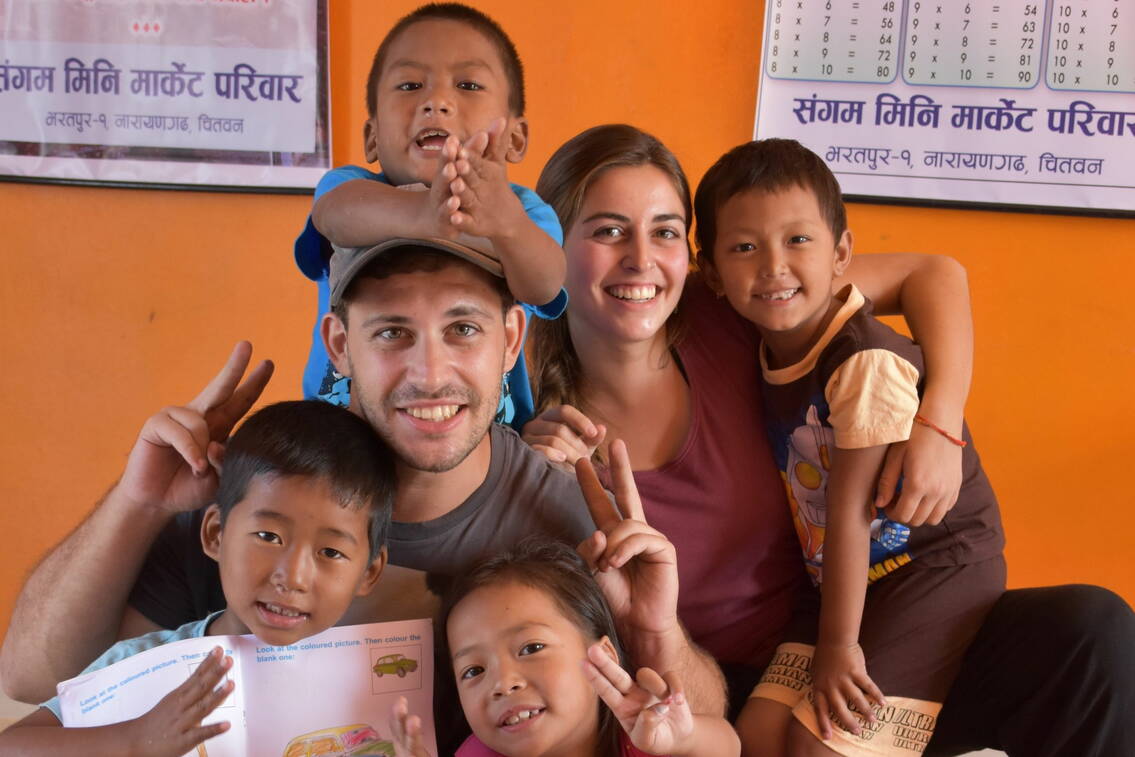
x=1002 y=102
x=211 y=92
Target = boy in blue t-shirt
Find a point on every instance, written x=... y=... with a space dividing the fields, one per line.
x=445 y=104
x=298 y=531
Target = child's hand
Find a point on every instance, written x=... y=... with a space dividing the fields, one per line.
x=931 y=471
x=482 y=202
x=652 y=710
x=178 y=454
x=173 y=727
x=839 y=679
x=563 y=434
x=432 y=218
x=406 y=731
x=634 y=564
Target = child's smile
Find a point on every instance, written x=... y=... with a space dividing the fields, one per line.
x=281 y=616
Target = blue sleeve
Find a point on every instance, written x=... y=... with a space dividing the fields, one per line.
x=312 y=251
x=543 y=216
x=309 y=247
x=540 y=212
x=130 y=647
x=517 y=407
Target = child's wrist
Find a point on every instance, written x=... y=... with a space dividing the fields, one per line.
x=943 y=412
x=943 y=408
x=838 y=644
x=510 y=226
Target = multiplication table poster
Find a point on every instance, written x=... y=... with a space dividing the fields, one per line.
x=997 y=102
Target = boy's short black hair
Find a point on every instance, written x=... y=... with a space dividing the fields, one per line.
x=316 y=439
x=513 y=68
x=768 y=165
x=411 y=259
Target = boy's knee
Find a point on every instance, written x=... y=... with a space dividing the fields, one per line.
x=763 y=728
x=1086 y=634
x=1093 y=619
x=802 y=743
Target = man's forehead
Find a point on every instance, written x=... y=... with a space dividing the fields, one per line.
x=453 y=291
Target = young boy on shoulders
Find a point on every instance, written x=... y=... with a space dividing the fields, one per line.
x=839 y=387
x=445 y=104
x=298 y=531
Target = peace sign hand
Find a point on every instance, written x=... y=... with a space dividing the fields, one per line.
x=175 y=461
x=634 y=564
x=652 y=709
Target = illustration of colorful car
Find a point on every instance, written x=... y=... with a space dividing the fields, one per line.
x=395 y=664
x=344 y=741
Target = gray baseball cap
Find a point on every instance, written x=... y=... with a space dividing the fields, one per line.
x=347 y=262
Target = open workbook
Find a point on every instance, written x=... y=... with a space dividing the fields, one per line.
x=327 y=695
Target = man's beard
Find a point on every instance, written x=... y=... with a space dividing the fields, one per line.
x=470 y=401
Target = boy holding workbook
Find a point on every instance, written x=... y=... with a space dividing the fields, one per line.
x=298 y=531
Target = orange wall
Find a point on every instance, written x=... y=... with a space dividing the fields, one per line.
x=117 y=302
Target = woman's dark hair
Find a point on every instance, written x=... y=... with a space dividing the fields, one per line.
x=557 y=376
x=555 y=569
x=316 y=439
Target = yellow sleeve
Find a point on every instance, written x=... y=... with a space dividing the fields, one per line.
x=873 y=397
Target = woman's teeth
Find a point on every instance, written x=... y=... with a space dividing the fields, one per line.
x=434 y=413
x=634 y=293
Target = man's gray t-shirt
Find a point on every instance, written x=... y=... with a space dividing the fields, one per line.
x=522 y=495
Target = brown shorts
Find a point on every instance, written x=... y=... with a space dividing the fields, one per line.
x=917 y=624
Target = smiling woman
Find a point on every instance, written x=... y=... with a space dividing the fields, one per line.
x=688 y=408
x=683 y=392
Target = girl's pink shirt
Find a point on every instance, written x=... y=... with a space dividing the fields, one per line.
x=473 y=747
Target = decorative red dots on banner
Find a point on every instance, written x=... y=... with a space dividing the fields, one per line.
x=144 y=28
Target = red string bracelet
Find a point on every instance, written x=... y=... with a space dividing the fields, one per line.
x=931 y=424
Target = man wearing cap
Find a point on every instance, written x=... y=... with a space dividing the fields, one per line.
x=426 y=329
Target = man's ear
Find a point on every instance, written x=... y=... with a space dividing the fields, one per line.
x=514 y=323
x=334 y=333
x=517 y=139
x=211 y=532
x=608 y=648
x=842 y=253
x=371 y=574
x=370 y=139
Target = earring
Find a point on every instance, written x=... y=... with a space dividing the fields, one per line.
x=506 y=411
